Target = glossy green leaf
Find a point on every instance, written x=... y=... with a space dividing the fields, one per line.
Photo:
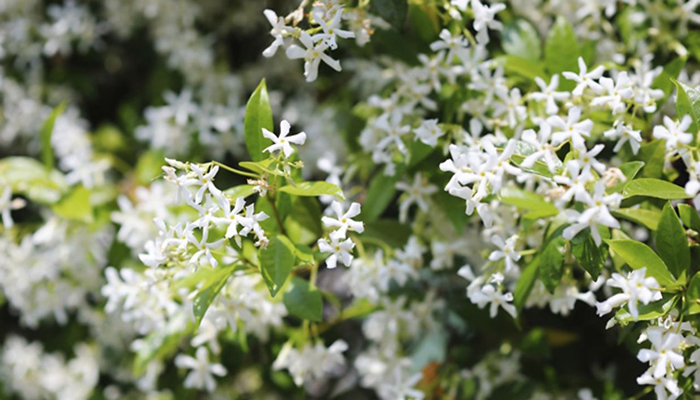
x=215 y=279
x=525 y=283
x=648 y=312
x=239 y=191
x=528 y=200
x=392 y=11
x=75 y=206
x=46 y=133
x=149 y=167
x=276 y=262
x=650 y=187
x=258 y=115
x=588 y=254
x=689 y=216
x=318 y=188
x=29 y=177
x=522 y=40
x=562 y=51
x=646 y=217
x=652 y=153
x=664 y=81
x=692 y=299
x=638 y=255
x=630 y=170
x=523 y=67
x=671 y=242
x=688 y=103
x=551 y=263
x=304 y=300
x=381 y=191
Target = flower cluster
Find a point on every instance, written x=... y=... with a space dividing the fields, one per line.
x=504 y=184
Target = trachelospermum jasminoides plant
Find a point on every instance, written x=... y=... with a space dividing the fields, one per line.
x=423 y=223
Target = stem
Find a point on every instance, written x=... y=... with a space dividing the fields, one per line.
x=277 y=215
x=235 y=171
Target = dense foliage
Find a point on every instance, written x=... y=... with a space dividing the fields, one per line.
x=352 y=199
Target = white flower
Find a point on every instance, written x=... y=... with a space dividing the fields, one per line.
x=233 y=217
x=312 y=362
x=205 y=181
x=202 y=370
x=596 y=214
x=428 y=132
x=488 y=294
x=549 y=94
x=571 y=129
x=623 y=134
x=664 y=352
x=279 y=29
x=585 y=79
x=484 y=18
x=507 y=251
x=543 y=149
x=340 y=248
x=402 y=389
x=674 y=133
x=586 y=160
x=614 y=93
x=636 y=287
x=283 y=141
x=204 y=248
x=7 y=205
x=455 y=45
x=576 y=183
x=344 y=221
x=418 y=192
x=312 y=55
x=661 y=385
x=331 y=29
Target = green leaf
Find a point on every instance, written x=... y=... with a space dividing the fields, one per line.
x=29 y=177
x=239 y=191
x=652 y=154
x=650 y=187
x=693 y=296
x=562 y=51
x=46 y=133
x=317 y=188
x=671 y=242
x=214 y=281
x=304 y=300
x=538 y=168
x=389 y=231
x=276 y=262
x=638 y=255
x=258 y=115
x=523 y=67
x=528 y=201
x=689 y=216
x=551 y=263
x=75 y=206
x=381 y=191
x=160 y=344
x=688 y=102
x=392 y=11
x=588 y=254
x=522 y=40
x=647 y=217
x=648 y=312
x=525 y=283
x=630 y=170
x=149 y=167
x=670 y=72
